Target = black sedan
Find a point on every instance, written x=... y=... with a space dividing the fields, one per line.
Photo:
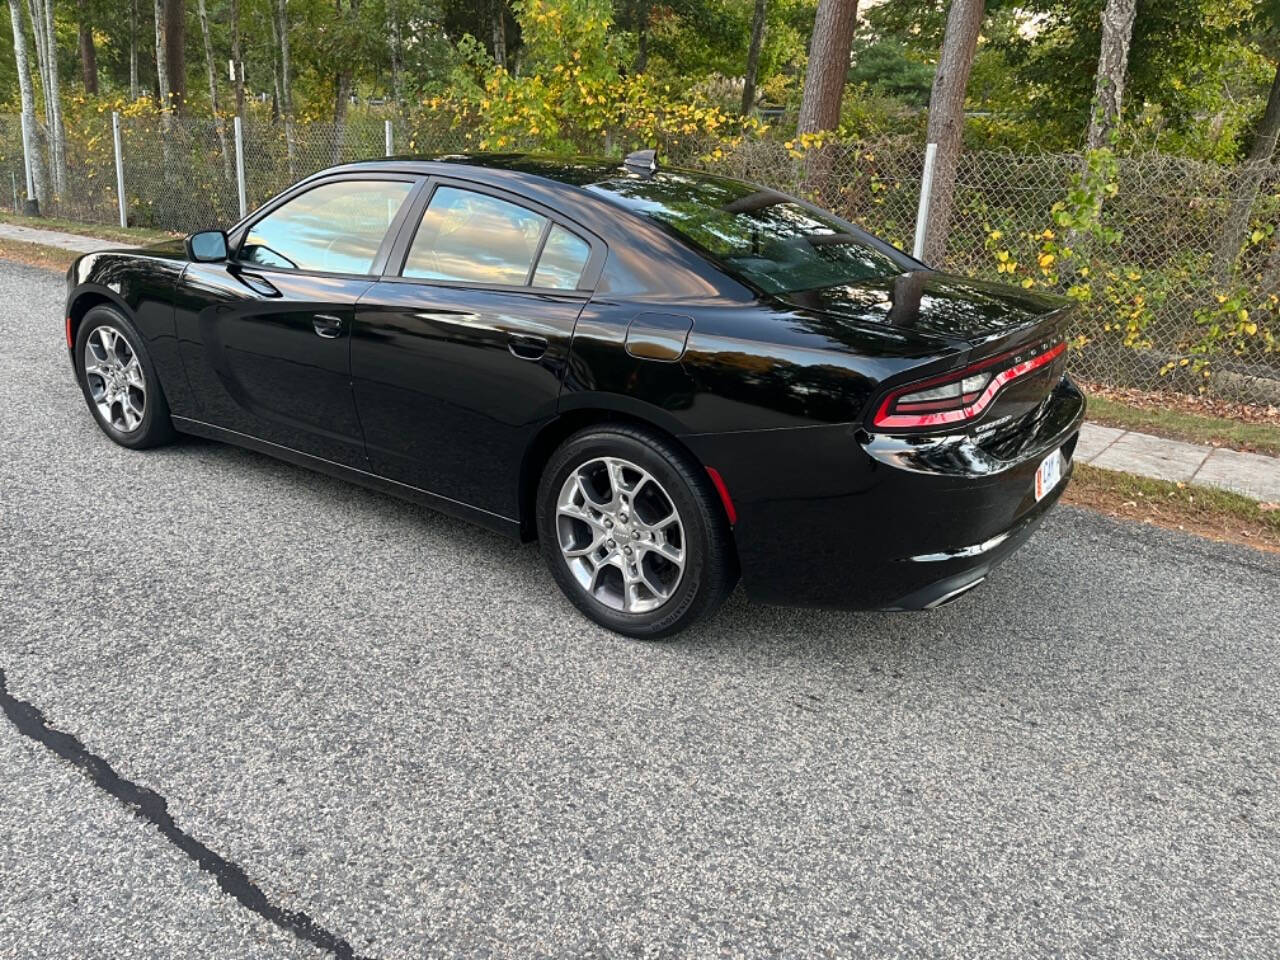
x=667 y=378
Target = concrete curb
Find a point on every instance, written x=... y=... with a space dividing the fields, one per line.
x=1251 y=474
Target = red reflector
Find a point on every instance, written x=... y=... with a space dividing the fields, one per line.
x=891 y=414
x=69 y=343
x=721 y=489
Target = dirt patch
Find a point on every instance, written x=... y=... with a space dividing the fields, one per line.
x=1206 y=512
x=1185 y=403
x=37 y=255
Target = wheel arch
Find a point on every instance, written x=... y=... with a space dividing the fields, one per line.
x=565 y=425
x=84 y=300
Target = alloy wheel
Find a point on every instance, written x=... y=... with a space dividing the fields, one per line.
x=115 y=378
x=621 y=535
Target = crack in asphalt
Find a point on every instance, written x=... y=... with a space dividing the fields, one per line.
x=152 y=807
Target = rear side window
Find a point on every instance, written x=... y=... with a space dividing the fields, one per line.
x=759 y=236
x=334 y=228
x=563 y=258
x=475 y=238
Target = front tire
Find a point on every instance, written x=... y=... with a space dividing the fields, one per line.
x=633 y=532
x=119 y=381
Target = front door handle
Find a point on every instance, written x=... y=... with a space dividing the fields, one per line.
x=257 y=284
x=526 y=346
x=327 y=325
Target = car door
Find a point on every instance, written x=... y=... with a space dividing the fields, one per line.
x=459 y=350
x=266 y=334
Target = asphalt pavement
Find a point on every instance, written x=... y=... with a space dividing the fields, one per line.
x=250 y=711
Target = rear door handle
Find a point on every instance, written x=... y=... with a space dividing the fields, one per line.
x=526 y=346
x=327 y=325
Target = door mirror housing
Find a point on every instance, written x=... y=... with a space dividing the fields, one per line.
x=207 y=246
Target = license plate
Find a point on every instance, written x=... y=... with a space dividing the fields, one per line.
x=1048 y=474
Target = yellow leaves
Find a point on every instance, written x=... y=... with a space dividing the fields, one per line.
x=1047 y=234
x=1046 y=260
x=1243 y=314
x=1028 y=283
x=1134 y=276
x=1250 y=328
x=995 y=236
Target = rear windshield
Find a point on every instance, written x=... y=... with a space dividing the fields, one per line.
x=757 y=235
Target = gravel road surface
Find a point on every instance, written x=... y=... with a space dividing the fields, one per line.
x=250 y=711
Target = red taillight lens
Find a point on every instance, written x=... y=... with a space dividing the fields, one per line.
x=958 y=397
x=70 y=345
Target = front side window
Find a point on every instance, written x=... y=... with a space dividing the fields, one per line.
x=475 y=238
x=334 y=228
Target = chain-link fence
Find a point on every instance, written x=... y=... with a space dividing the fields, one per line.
x=1157 y=299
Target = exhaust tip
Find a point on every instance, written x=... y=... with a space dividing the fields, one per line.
x=955 y=594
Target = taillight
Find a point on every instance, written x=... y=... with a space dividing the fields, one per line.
x=961 y=396
x=70 y=345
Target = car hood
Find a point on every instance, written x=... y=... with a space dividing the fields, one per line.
x=934 y=305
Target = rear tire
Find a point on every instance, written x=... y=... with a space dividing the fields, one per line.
x=119 y=381
x=633 y=532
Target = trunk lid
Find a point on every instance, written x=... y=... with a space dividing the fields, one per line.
x=978 y=313
x=993 y=326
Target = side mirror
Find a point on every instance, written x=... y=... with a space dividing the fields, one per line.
x=207 y=246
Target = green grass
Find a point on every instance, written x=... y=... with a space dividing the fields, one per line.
x=1191 y=427
x=135 y=235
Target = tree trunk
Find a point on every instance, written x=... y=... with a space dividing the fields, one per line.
x=1113 y=64
x=57 y=134
x=397 y=51
x=1251 y=174
x=286 y=85
x=828 y=65
x=343 y=81
x=39 y=183
x=35 y=9
x=162 y=61
x=213 y=88
x=133 y=50
x=342 y=90
x=175 y=37
x=237 y=65
x=642 y=36
x=753 y=58
x=824 y=81
x=946 y=118
x=88 y=55
x=497 y=12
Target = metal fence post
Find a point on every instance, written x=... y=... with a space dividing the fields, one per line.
x=240 y=166
x=115 y=136
x=926 y=188
x=390 y=139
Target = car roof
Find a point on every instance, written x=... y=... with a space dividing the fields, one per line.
x=573 y=171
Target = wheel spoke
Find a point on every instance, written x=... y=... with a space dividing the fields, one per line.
x=133 y=373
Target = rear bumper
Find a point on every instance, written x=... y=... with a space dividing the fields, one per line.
x=836 y=517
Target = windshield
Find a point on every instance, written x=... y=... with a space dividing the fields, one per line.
x=757 y=235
